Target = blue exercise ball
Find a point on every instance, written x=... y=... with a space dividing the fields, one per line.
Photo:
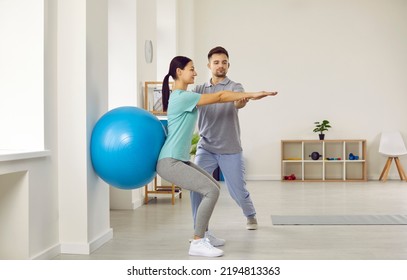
x=125 y=146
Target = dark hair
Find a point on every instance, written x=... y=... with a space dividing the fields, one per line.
x=176 y=62
x=218 y=50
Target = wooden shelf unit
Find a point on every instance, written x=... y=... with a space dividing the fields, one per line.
x=172 y=190
x=152 y=97
x=296 y=159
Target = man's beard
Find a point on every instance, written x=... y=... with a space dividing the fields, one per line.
x=220 y=75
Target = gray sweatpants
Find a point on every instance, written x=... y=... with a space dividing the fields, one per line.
x=189 y=176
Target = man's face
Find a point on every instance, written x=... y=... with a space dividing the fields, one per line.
x=219 y=65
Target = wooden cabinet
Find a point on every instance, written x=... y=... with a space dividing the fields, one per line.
x=324 y=160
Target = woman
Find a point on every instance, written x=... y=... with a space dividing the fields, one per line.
x=173 y=162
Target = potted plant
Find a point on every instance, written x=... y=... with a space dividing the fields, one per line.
x=320 y=127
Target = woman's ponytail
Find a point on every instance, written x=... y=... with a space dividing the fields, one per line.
x=165 y=92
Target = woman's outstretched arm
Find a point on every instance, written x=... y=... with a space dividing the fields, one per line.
x=230 y=96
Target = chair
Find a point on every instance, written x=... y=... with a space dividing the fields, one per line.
x=392 y=146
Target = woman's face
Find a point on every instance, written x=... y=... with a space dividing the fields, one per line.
x=187 y=75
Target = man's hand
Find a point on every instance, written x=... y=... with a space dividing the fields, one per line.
x=241 y=103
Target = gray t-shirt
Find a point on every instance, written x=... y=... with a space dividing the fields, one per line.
x=219 y=123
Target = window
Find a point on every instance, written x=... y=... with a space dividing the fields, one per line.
x=22 y=74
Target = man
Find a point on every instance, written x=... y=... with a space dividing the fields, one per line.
x=220 y=144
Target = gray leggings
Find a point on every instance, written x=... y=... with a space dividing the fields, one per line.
x=188 y=175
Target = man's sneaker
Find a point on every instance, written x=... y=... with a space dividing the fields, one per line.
x=202 y=247
x=251 y=223
x=214 y=240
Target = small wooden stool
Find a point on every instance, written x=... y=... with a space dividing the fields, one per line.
x=171 y=190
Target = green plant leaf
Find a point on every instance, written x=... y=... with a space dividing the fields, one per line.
x=320 y=127
x=194 y=143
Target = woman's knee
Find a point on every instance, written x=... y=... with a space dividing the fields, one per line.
x=213 y=192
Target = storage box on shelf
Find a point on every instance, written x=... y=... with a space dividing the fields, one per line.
x=323 y=160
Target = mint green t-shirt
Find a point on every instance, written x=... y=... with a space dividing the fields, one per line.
x=182 y=116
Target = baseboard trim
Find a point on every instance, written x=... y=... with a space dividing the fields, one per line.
x=138 y=202
x=263 y=178
x=87 y=248
x=48 y=254
x=101 y=240
x=372 y=177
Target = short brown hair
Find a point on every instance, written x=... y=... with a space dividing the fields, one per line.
x=219 y=50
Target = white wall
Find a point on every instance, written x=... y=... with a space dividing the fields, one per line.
x=122 y=53
x=146 y=30
x=344 y=61
x=186 y=28
x=166 y=35
x=123 y=87
x=82 y=99
x=131 y=23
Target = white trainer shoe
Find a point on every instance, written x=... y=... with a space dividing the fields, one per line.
x=216 y=242
x=202 y=247
x=251 y=223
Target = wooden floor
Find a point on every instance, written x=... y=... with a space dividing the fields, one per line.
x=160 y=231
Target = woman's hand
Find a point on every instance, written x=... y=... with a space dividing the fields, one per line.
x=262 y=94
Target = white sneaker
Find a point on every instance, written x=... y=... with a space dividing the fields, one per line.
x=251 y=223
x=202 y=247
x=214 y=240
